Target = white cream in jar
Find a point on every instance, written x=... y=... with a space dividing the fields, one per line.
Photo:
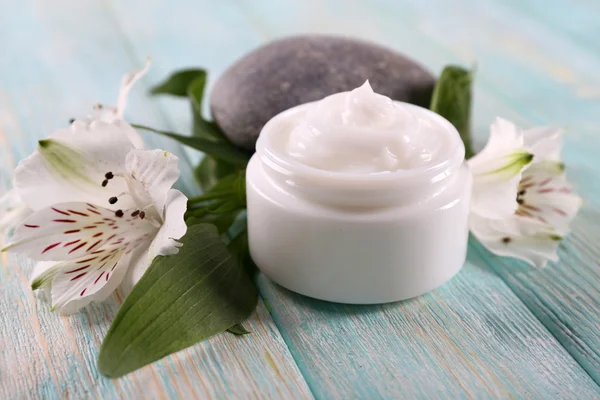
x=358 y=199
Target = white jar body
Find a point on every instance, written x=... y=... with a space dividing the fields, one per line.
x=357 y=255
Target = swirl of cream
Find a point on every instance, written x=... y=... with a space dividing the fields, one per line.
x=361 y=132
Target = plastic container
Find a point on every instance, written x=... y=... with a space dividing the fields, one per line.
x=357 y=238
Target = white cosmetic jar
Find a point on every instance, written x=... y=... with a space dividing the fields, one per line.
x=357 y=238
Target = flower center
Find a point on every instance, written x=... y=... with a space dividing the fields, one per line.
x=137 y=211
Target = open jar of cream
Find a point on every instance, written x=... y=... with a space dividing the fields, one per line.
x=358 y=199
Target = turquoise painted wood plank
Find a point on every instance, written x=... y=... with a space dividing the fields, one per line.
x=576 y=20
x=565 y=296
x=472 y=338
x=60 y=64
x=46 y=355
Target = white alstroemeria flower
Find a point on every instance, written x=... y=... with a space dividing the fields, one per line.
x=13 y=210
x=102 y=208
x=104 y=211
x=545 y=203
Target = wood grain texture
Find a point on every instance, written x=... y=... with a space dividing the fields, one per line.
x=545 y=67
x=64 y=57
x=470 y=339
x=46 y=355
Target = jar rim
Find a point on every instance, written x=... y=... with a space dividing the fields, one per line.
x=288 y=165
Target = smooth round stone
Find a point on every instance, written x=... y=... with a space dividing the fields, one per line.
x=296 y=70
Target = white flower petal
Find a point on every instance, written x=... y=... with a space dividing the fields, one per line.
x=164 y=242
x=71 y=164
x=110 y=118
x=503 y=157
x=497 y=170
x=114 y=115
x=548 y=197
x=67 y=231
x=132 y=134
x=39 y=269
x=150 y=175
x=126 y=84
x=518 y=237
x=9 y=200
x=544 y=142
x=495 y=201
x=505 y=139
x=78 y=282
x=12 y=211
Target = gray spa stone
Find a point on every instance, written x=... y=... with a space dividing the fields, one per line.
x=299 y=69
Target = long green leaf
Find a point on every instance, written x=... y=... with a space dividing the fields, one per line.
x=210 y=171
x=191 y=83
x=177 y=84
x=238 y=330
x=220 y=150
x=182 y=299
x=202 y=127
x=207 y=129
x=221 y=221
x=452 y=100
x=195 y=93
x=237 y=235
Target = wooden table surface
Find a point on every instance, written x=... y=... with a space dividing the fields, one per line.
x=497 y=330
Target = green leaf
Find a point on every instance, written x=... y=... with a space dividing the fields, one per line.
x=238 y=330
x=226 y=206
x=238 y=245
x=210 y=171
x=182 y=299
x=177 y=84
x=239 y=188
x=207 y=129
x=223 y=151
x=452 y=100
x=221 y=221
x=230 y=187
x=195 y=93
x=229 y=183
x=191 y=83
x=202 y=127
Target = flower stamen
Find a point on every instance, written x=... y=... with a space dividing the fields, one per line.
x=108 y=176
x=114 y=199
